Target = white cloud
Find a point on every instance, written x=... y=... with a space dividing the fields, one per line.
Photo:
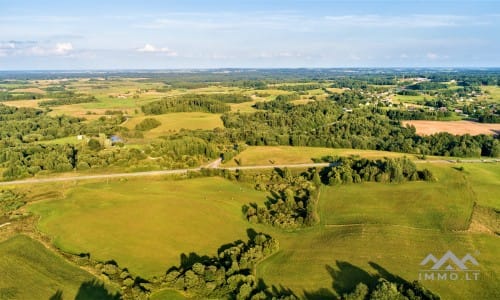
x=431 y=55
x=33 y=48
x=152 y=49
x=411 y=21
x=63 y=48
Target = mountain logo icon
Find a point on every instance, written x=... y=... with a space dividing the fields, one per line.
x=449 y=261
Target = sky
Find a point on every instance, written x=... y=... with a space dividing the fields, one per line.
x=153 y=34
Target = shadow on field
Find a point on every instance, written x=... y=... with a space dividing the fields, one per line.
x=57 y=296
x=95 y=290
x=346 y=276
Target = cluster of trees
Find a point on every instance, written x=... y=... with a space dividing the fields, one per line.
x=323 y=124
x=357 y=170
x=76 y=99
x=229 y=275
x=27 y=160
x=186 y=103
x=427 y=85
x=292 y=203
x=147 y=124
x=385 y=290
x=418 y=114
x=293 y=200
x=24 y=125
x=27 y=125
x=363 y=82
x=299 y=87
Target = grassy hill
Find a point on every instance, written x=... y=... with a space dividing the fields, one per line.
x=367 y=230
x=145 y=225
x=31 y=271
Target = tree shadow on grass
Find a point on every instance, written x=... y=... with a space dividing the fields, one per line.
x=346 y=277
x=57 y=296
x=91 y=290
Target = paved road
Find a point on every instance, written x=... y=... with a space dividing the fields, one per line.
x=215 y=164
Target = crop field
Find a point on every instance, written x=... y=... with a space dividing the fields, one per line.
x=173 y=122
x=27 y=269
x=453 y=127
x=145 y=225
x=263 y=155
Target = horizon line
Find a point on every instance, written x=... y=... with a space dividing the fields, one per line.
x=244 y=68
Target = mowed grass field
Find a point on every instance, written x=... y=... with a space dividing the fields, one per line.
x=445 y=205
x=388 y=229
x=366 y=229
x=145 y=225
x=324 y=263
x=263 y=155
x=28 y=270
x=174 y=122
x=484 y=180
x=411 y=99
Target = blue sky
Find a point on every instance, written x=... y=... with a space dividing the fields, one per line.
x=212 y=34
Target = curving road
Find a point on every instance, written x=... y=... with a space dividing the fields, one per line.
x=214 y=165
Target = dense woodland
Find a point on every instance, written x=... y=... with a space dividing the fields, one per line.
x=343 y=120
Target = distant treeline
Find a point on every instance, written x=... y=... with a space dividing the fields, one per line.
x=68 y=101
x=324 y=124
x=299 y=87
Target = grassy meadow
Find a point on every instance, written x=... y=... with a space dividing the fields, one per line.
x=174 y=122
x=388 y=229
x=366 y=230
x=263 y=155
x=146 y=224
x=29 y=270
x=324 y=263
x=444 y=205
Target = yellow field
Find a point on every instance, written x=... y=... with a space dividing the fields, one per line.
x=453 y=127
x=23 y=103
x=176 y=121
x=263 y=155
x=29 y=90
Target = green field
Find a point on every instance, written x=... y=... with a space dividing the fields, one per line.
x=176 y=121
x=29 y=270
x=445 y=204
x=263 y=155
x=492 y=93
x=145 y=225
x=376 y=228
x=484 y=178
x=412 y=99
x=366 y=229
x=322 y=263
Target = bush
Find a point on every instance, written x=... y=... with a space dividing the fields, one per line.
x=147 y=124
